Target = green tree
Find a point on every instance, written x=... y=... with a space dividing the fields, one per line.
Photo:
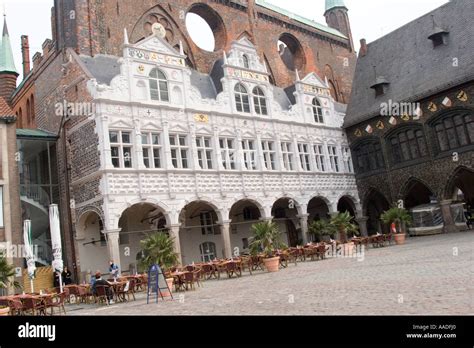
x=342 y=223
x=158 y=248
x=320 y=229
x=266 y=239
x=397 y=215
x=7 y=273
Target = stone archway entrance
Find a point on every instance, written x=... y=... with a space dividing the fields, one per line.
x=285 y=214
x=243 y=215
x=375 y=204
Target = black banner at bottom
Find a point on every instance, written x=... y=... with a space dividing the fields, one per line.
x=238 y=330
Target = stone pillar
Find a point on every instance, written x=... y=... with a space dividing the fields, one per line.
x=174 y=234
x=449 y=225
x=113 y=244
x=166 y=147
x=303 y=219
x=225 y=230
x=362 y=221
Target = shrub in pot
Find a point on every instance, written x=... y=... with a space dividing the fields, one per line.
x=158 y=248
x=266 y=240
x=7 y=274
x=399 y=217
x=342 y=223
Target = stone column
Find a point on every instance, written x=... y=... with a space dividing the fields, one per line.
x=303 y=218
x=449 y=225
x=166 y=147
x=362 y=221
x=225 y=230
x=113 y=244
x=174 y=234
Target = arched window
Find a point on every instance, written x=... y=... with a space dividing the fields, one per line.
x=454 y=131
x=20 y=115
x=259 y=101
x=208 y=251
x=407 y=145
x=368 y=156
x=32 y=105
x=317 y=111
x=28 y=111
x=241 y=98
x=158 y=86
x=246 y=62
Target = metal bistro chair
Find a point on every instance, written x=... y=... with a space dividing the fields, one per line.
x=56 y=301
x=232 y=269
x=209 y=271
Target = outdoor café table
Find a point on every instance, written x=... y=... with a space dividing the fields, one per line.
x=116 y=288
x=178 y=280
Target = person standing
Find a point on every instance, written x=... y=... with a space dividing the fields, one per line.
x=114 y=270
x=66 y=275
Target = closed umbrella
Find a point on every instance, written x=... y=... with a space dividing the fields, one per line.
x=29 y=255
x=56 y=242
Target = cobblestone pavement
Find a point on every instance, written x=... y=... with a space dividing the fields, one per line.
x=426 y=276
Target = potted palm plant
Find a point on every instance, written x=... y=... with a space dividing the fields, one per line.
x=399 y=217
x=266 y=240
x=158 y=249
x=342 y=223
x=7 y=272
x=319 y=229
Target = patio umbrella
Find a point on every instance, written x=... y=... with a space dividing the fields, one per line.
x=29 y=255
x=56 y=242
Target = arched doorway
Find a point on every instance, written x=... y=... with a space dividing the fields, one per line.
x=317 y=210
x=375 y=204
x=136 y=223
x=416 y=193
x=243 y=215
x=346 y=204
x=200 y=232
x=285 y=214
x=460 y=189
x=92 y=244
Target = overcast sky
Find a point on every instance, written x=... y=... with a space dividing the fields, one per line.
x=370 y=19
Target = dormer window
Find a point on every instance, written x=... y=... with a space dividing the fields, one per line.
x=158 y=86
x=439 y=37
x=246 y=62
x=242 y=102
x=380 y=86
x=317 y=111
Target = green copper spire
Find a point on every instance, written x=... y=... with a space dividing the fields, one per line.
x=330 y=4
x=7 y=64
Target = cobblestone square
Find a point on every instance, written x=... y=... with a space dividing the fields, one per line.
x=426 y=276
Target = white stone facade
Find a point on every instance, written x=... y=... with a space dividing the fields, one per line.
x=224 y=177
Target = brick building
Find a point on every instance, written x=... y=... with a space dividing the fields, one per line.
x=87 y=44
x=411 y=120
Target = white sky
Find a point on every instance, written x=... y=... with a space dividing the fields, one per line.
x=370 y=19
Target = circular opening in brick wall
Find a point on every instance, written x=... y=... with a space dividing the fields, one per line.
x=206 y=28
x=291 y=52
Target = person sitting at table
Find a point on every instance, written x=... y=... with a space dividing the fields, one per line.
x=66 y=276
x=103 y=282
x=92 y=282
x=56 y=279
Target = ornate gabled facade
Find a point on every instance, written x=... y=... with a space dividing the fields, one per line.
x=205 y=156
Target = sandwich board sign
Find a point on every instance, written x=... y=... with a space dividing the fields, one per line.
x=156 y=283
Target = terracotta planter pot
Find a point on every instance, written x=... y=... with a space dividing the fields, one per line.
x=399 y=238
x=4 y=311
x=167 y=293
x=272 y=264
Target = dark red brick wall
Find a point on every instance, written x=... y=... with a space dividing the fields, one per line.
x=100 y=25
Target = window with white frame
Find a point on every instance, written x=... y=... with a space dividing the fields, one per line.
x=250 y=152
x=158 y=85
x=317 y=111
x=204 y=151
x=259 y=101
x=303 y=150
x=208 y=251
x=333 y=158
x=227 y=146
x=121 y=148
x=347 y=158
x=242 y=102
x=207 y=224
x=269 y=154
x=287 y=154
x=320 y=158
x=151 y=145
x=179 y=151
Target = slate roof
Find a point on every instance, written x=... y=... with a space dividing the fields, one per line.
x=103 y=67
x=5 y=109
x=408 y=60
